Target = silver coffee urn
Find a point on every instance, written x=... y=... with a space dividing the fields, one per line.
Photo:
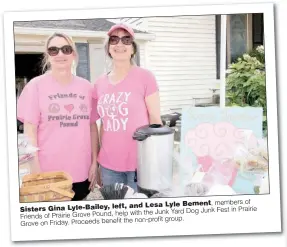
x=155 y=145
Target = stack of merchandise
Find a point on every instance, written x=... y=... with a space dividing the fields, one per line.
x=112 y=192
x=246 y=169
x=26 y=153
x=253 y=160
x=244 y=172
x=254 y=163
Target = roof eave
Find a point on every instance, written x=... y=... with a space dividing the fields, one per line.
x=75 y=33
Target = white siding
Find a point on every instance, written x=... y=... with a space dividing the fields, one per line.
x=137 y=23
x=142 y=54
x=183 y=58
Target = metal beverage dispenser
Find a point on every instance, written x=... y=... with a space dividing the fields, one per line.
x=155 y=157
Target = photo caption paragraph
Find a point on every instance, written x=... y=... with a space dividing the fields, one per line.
x=128 y=213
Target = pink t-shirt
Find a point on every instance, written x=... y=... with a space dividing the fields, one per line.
x=122 y=109
x=63 y=114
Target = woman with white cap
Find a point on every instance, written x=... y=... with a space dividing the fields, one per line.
x=127 y=98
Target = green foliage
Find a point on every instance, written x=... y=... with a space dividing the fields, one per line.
x=245 y=82
x=258 y=53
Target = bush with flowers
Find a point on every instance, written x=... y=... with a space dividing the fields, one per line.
x=245 y=82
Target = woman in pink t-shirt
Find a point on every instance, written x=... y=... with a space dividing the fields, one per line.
x=127 y=98
x=56 y=109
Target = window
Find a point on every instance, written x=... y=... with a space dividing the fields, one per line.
x=257 y=30
x=238 y=36
x=243 y=34
x=83 y=68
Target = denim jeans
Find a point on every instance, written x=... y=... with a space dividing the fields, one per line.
x=112 y=177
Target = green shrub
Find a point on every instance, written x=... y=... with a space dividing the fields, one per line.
x=245 y=82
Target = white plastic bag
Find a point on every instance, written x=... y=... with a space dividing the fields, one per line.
x=196 y=189
x=219 y=189
x=24 y=146
x=253 y=160
x=137 y=195
x=26 y=151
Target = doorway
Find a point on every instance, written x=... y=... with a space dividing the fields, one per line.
x=27 y=66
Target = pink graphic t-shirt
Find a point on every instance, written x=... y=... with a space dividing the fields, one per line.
x=122 y=110
x=63 y=114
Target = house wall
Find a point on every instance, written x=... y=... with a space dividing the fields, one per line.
x=183 y=58
x=99 y=64
x=30 y=43
x=36 y=43
x=142 y=54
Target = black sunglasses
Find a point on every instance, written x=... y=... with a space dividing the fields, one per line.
x=66 y=49
x=126 y=40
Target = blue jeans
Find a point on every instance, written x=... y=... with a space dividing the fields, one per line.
x=112 y=177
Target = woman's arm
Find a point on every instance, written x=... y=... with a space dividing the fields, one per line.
x=93 y=172
x=101 y=132
x=95 y=142
x=153 y=106
x=30 y=130
x=94 y=177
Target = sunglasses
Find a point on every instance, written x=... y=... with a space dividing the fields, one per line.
x=126 y=40
x=54 y=51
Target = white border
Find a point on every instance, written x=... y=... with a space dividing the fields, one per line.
x=267 y=219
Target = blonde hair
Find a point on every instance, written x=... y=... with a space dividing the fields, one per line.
x=45 y=62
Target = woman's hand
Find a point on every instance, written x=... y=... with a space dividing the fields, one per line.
x=93 y=176
x=30 y=130
x=35 y=166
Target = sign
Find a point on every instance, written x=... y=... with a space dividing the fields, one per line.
x=211 y=135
